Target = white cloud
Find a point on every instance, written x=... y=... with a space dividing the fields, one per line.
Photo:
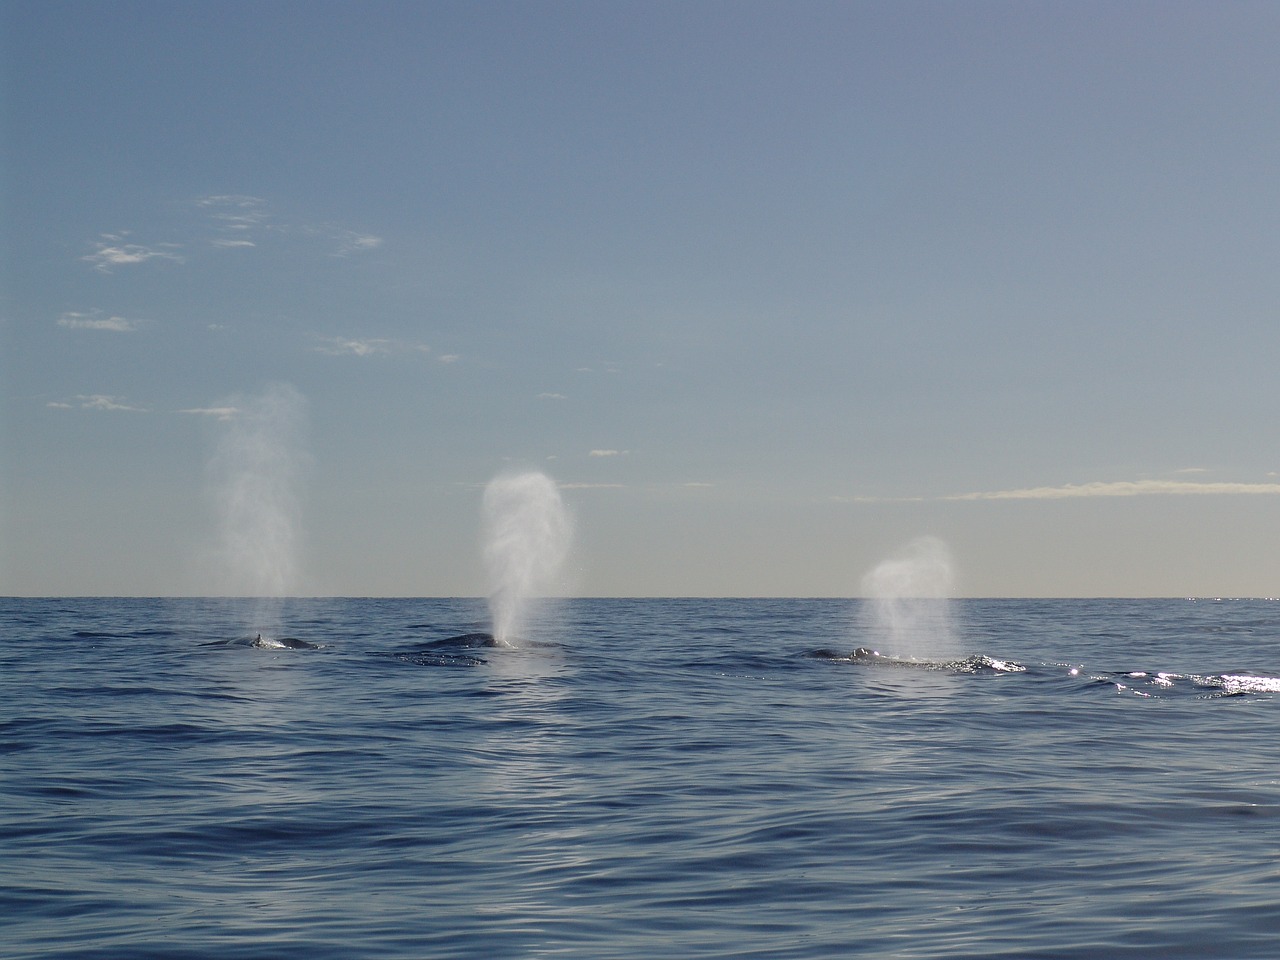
x=232 y=202
x=113 y=251
x=244 y=221
x=93 y=320
x=235 y=211
x=1076 y=491
x=552 y=396
x=592 y=486
x=343 y=347
x=103 y=402
x=351 y=242
x=1122 y=488
x=238 y=219
x=370 y=347
x=228 y=222
x=608 y=453
x=346 y=241
x=867 y=499
x=218 y=413
x=449 y=357
x=96 y=401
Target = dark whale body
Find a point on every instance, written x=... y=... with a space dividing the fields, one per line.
x=260 y=643
x=291 y=643
x=466 y=641
x=447 y=652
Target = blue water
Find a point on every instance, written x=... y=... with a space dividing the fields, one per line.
x=639 y=778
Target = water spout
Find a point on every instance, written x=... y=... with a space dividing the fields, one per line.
x=527 y=533
x=255 y=480
x=908 y=610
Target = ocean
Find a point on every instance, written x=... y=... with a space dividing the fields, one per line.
x=639 y=778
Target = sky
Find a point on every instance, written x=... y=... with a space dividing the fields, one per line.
x=769 y=289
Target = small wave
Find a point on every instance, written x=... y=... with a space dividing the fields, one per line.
x=284 y=643
x=440 y=659
x=425 y=656
x=1143 y=683
x=446 y=652
x=979 y=662
x=1233 y=684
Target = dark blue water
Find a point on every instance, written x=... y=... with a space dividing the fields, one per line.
x=690 y=778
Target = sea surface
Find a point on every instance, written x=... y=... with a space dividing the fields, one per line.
x=639 y=778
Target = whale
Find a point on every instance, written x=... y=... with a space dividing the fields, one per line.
x=265 y=643
x=285 y=643
x=465 y=641
x=447 y=652
x=976 y=663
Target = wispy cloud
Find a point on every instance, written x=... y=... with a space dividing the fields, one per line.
x=343 y=242
x=344 y=347
x=1122 y=488
x=228 y=221
x=367 y=347
x=350 y=242
x=592 y=486
x=217 y=413
x=552 y=396
x=608 y=453
x=449 y=357
x=237 y=211
x=94 y=320
x=1075 y=491
x=861 y=498
x=115 y=251
x=238 y=220
x=96 y=401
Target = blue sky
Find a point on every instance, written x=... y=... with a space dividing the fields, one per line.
x=770 y=289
